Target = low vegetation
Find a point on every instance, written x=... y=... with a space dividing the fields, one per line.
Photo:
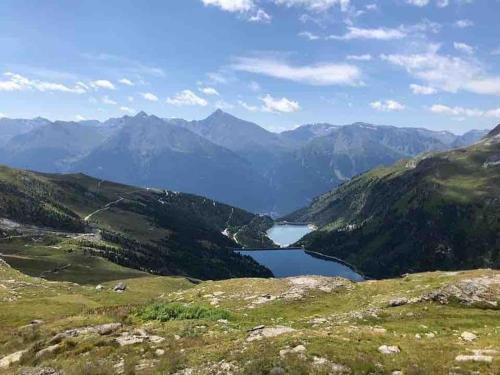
x=176 y=311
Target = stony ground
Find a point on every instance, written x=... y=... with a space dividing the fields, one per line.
x=432 y=323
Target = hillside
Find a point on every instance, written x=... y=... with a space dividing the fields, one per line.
x=60 y=226
x=438 y=211
x=430 y=323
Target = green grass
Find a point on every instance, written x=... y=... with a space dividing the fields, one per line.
x=164 y=312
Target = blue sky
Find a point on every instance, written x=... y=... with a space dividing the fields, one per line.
x=280 y=63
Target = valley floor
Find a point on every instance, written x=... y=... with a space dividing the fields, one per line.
x=429 y=323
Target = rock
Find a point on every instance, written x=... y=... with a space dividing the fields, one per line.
x=299 y=349
x=40 y=371
x=260 y=333
x=397 y=372
x=388 y=349
x=99 y=287
x=277 y=371
x=400 y=301
x=430 y=335
x=468 y=336
x=332 y=368
x=106 y=329
x=11 y=359
x=256 y=328
x=120 y=287
x=137 y=337
x=36 y=322
x=48 y=350
x=484 y=291
x=474 y=358
x=159 y=352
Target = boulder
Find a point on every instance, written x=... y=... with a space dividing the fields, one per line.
x=120 y=287
x=389 y=349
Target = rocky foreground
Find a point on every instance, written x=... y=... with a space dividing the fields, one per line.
x=430 y=323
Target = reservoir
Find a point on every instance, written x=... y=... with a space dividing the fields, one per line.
x=297 y=262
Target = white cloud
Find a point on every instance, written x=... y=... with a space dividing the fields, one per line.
x=260 y=16
x=209 y=91
x=102 y=84
x=282 y=105
x=323 y=74
x=127 y=110
x=463 y=47
x=418 y=3
x=126 y=81
x=247 y=8
x=461 y=111
x=80 y=118
x=365 y=57
x=186 y=97
x=372 y=6
x=447 y=73
x=17 y=82
x=309 y=35
x=378 y=34
x=387 y=105
x=106 y=100
x=149 y=96
x=248 y=107
x=2 y=115
x=464 y=23
x=231 y=5
x=422 y=90
x=315 y=5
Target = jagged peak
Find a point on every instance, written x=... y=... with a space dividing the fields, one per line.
x=141 y=114
x=494 y=132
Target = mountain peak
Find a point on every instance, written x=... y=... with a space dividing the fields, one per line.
x=141 y=114
x=494 y=132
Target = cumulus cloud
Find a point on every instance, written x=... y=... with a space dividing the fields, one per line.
x=17 y=82
x=209 y=91
x=186 y=98
x=127 y=82
x=387 y=105
x=462 y=111
x=127 y=110
x=78 y=118
x=422 y=90
x=282 y=105
x=447 y=73
x=365 y=57
x=102 y=84
x=463 y=47
x=322 y=74
x=222 y=104
x=381 y=33
x=248 y=8
x=149 y=96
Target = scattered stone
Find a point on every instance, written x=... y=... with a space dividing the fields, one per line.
x=99 y=287
x=277 y=371
x=11 y=359
x=331 y=367
x=299 y=349
x=159 y=352
x=389 y=349
x=36 y=322
x=474 y=358
x=120 y=287
x=430 y=335
x=137 y=337
x=102 y=329
x=400 y=301
x=260 y=333
x=256 y=328
x=40 y=371
x=468 y=336
x=397 y=372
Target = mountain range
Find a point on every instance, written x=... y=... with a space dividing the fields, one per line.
x=221 y=157
x=438 y=211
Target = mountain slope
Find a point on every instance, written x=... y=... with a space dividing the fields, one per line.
x=151 y=230
x=52 y=147
x=438 y=211
x=9 y=128
x=147 y=151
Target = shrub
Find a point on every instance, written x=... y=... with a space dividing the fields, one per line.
x=176 y=311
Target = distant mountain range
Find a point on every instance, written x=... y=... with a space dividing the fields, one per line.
x=221 y=157
x=438 y=211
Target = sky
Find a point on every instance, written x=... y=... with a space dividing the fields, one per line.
x=279 y=63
